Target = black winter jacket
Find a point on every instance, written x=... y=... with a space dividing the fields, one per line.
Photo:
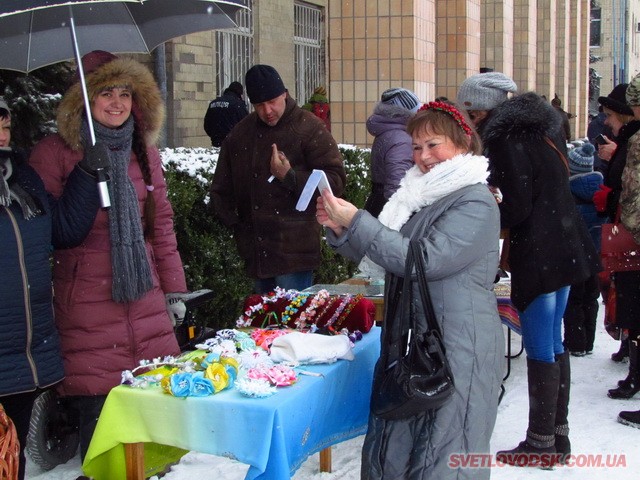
x=222 y=115
x=29 y=343
x=549 y=244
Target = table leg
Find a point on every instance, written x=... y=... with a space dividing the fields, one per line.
x=134 y=460
x=325 y=460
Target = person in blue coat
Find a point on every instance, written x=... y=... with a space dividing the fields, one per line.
x=582 y=304
x=30 y=224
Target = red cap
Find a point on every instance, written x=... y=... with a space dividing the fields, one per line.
x=94 y=60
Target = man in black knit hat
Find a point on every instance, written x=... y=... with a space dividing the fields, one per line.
x=263 y=166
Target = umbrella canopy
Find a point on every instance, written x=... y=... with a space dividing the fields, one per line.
x=36 y=33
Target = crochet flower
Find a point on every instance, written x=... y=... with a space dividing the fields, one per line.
x=200 y=386
x=218 y=374
x=179 y=384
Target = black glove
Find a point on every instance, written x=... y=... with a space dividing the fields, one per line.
x=95 y=157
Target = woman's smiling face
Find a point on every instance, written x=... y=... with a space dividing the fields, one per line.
x=112 y=106
x=430 y=149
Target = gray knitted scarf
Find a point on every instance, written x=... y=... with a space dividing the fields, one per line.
x=131 y=271
x=10 y=191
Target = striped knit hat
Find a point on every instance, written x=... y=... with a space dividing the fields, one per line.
x=402 y=98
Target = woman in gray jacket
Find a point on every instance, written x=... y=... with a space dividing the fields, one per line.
x=444 y=201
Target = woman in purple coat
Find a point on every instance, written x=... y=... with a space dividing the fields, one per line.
x=391 y=152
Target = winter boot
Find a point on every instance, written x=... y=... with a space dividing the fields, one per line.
x=563 y=445
x=538 y=449
x=622 y=353
x=630 y=418
x=631 y=385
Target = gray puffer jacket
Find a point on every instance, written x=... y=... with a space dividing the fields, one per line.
x=459 y=236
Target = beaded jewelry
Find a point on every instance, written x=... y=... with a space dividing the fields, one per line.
x=347 y=310
x=294 y=306
x=336 y=314
x=317 y=301
x=451 y=110
x=259 y=308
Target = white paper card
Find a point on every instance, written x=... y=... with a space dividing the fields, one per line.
x=317 y=179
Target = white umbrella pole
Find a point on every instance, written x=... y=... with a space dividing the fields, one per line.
x=101 y=175
x=83 y=84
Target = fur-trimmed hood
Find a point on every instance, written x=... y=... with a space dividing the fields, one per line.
x=148 y=106
x=524 y=116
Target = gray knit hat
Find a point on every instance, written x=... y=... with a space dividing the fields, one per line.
x=485 y=91
x=581 y=158
x=4 y=105
x=633 y=92
x=401 y=97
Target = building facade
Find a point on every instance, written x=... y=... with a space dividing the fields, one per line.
x=358 y=48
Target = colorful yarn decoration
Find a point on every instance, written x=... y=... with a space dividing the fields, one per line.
x=318 y=300
x=347 y=310
x=451 y=110
x=294 y=306
x=336 y=314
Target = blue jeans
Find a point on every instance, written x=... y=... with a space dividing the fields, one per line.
x=541 y=325
x=295 y=281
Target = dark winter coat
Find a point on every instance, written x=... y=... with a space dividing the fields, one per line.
x=583 y=186
x=222 y=115
x=549 y=244
x=391 y=152
x=101 y=338
x=613 y=175
x=29 y=341
x=273 y=238
x=460 y=281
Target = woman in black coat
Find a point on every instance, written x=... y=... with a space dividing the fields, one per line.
x=29 y=225
x=549 y=249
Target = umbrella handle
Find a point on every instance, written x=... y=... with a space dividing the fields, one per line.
x=103 y=189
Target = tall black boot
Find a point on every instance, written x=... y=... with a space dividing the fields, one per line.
x=630 y=418
x=563 y=445
x=622 y=353
x=631 y=385
x=538 y=449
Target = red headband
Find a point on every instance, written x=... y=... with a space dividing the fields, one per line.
x=451 y=110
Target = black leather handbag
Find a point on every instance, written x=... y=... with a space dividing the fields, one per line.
x=414 y=375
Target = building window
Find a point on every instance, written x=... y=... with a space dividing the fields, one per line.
x=234 y=50
x=309 y=50
x=596 y=23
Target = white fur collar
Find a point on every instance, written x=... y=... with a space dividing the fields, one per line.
x=417 y=190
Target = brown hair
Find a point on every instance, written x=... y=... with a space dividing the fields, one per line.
x=443 y=123
x=139 y=148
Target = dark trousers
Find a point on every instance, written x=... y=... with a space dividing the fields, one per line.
x=18 y=408
x=84 y=412
x=580 y=315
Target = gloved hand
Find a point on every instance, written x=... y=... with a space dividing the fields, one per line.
x=600 y=198
x=175 y=308
x=95 y=157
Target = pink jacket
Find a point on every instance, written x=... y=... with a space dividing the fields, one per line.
x=101 y=338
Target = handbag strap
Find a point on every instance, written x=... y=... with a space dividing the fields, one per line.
x=415 y=267
x=560 y=154
x=423 y=286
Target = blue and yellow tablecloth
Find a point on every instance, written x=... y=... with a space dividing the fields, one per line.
x=273 y=435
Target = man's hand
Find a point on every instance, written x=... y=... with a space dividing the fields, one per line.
x=607 y=150
x=280 y=166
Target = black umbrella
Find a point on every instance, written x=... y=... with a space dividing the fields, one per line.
x=36 y=33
